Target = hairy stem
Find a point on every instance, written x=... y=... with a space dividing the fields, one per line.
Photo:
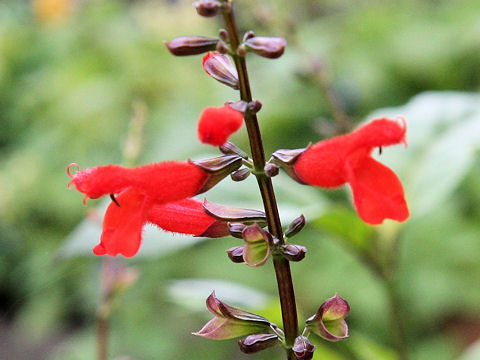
x=282 y=266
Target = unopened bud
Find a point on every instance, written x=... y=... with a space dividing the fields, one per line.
x=248 y=35
x=295 y=226
x=236 y=229
x=240 y=175
x=294 y=252
x=303 y=348
x=207 y=8
x=258 y=342
x=271 y=170
x=191 y=45
x=241 y=51
x=221 y=69
x=269 y=47
x=223 y=35
x=222 y=47
x=236 y=254
x=254 y=106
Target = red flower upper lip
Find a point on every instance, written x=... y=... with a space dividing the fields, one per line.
x=377 y=191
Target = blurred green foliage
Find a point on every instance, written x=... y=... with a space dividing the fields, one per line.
x=66 y=93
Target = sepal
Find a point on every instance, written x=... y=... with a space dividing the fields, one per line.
x=228 y=149
x=286 y=158
x=303 y=348
x=221 y=69
x=268 y=47
x=230 y=322
x=216 y=230
x=329 y=321
x=217 y=169
x=258 y=245
x=258 y=342
x=233 y=214
x=191 y=45
x=271 y=170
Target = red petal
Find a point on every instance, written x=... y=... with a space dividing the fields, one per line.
x=217 y=124
x=165 y=181
x=379 y=132
x=122 y=225
x=185 y=216
x=377 y=192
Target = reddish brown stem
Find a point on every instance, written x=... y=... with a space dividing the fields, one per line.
x=282 y=266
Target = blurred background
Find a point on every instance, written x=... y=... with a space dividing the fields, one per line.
x=80 y=79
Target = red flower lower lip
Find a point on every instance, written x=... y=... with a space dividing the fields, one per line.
x=377 y=191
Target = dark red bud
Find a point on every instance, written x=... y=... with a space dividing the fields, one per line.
x=240 y=175
x=241 y=51
x=258 y=342
x=222 y=47
x=221 y=69
x=254 y=106
x=223 y=35
x=303 y=348
x=269 y=47
x=248 y=35
x=236 y=254
x=295 y=226
x=207 y=8
x=294 y=252
x=271 y=170
x=191 y=45
x=236 y=229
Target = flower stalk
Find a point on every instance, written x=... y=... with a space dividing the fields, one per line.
x=282 y=266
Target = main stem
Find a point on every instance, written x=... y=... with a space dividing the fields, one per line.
x=282 y=266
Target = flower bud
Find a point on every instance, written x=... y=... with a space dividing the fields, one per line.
x=221 y=69
x=329 y=321
x=258 y=342
x=303 y=348
x=236 y=229
x=248 y=35
x=207 y=8
x=295 y=226
x=269 y=47
x=236 y=254
x=240 y=175
x=271 y=170
x=294 y=252
x=222 y=47
x=191 y=45
x=223 y=35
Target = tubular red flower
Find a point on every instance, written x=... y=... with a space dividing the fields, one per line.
x=122 y=225
x=217 y=124
x=164 y=182
x=377 y=191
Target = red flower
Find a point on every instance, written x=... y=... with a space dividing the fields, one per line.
x=377 y=191
x=217 y=124
x=155 y=193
